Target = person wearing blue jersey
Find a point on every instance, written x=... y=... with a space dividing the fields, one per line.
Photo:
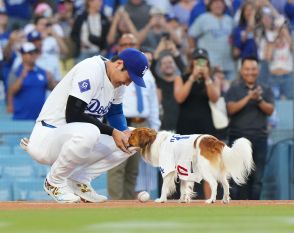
x=28 y=85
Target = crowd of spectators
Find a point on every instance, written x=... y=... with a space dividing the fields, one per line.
x=52 y=36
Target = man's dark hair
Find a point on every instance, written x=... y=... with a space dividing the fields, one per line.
x=38 y=18
x=145 y=49
x=115 y=58
x=249 y=58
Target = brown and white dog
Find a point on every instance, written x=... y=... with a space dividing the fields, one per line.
x=193 y=158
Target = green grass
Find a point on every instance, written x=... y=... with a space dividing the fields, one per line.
x=220 y=219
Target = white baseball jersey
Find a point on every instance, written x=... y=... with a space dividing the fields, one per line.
x=87 y=81
x=176 y=154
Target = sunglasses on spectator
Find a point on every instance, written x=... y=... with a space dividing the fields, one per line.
x=31 y=52
x=127 y=44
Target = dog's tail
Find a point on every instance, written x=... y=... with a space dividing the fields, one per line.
x=238 y=160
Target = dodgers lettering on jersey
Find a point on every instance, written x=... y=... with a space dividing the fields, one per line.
x=177 y=137
x=95 y=108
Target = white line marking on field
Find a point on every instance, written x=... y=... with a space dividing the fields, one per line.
x=289 y=220
x=4 y=224
x=130 y=226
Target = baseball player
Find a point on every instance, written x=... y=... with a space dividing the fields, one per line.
x=69 y=134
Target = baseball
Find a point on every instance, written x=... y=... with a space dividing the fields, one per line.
x=143 y=196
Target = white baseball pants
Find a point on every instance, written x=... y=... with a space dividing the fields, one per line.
x=75 y=150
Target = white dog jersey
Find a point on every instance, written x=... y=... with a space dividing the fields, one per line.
x=87 y=81
x=176 y=154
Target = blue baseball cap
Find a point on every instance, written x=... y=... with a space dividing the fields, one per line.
x=136 y=64
x=33 y=36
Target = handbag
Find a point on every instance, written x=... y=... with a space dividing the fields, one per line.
x=219 y=113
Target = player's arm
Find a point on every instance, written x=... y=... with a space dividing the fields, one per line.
x=116 y=118
x=74 y=112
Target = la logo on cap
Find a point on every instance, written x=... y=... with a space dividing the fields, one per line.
x=144 y=71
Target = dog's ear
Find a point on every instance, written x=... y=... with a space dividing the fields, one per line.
x=141 y=137
x=146 y=137
x=134 y=138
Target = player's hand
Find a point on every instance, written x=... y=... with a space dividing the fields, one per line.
x=206 y=73
x=127 y=132
x=197 y=72
x=121 y=140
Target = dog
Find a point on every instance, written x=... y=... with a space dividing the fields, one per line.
x=192 y=158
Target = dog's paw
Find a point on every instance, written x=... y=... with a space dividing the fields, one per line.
x=159 y=200
x=226 y=199
x=210 y=201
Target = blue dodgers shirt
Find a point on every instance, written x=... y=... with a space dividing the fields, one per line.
x=20 y=8
x=28 y=102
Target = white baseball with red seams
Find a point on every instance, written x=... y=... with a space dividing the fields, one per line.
x=143 y=196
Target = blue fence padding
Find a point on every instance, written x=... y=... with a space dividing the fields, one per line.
x=100 y=184
x=30 y=190
x=5 y=190
x=278 y=178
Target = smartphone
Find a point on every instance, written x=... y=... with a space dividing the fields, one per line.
x=166 y=35
x=201 y=62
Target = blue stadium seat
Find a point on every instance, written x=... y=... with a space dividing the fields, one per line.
x=5 y=149
x=284 y=109
x=17 y=167
x=100 y=184
x=5 y=190
x=12 y=131
x=41 y=170
x=30 y=190
x=5 y=116
x=16 y=126
x=12 y=140
x=17 y=150
x=18 y=171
